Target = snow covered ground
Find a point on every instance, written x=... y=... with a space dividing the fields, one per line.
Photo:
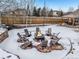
x=7 y=55
x=11 y=45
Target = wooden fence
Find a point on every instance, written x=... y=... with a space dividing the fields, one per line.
x=30 y=20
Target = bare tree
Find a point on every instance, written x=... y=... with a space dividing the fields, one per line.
x=78 y=6
x=7 y=4
x=71 y=9
x=50 y=13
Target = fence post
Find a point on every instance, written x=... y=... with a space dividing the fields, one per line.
x=0 y=18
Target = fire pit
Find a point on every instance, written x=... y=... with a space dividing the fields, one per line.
x=38 y=35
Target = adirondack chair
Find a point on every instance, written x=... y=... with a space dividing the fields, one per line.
x=26 y=45
x=54 y=41
x=54 y=35
x=54 y=45
x=49 y=32
x=27 y=33
x=21 y=39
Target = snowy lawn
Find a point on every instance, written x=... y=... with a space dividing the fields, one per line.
x=11 y=45
x=7 y=55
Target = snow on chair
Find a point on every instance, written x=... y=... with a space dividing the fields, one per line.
x=21 y=39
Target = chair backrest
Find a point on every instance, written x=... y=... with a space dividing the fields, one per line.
x=19 y=35
x=51 y=43
x=49 y=30
x=58 y=34
x=37 y=29
x=26 y=31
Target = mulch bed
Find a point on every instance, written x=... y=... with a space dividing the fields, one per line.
x=57 y=47
x=43 y=50
x=49 y=49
